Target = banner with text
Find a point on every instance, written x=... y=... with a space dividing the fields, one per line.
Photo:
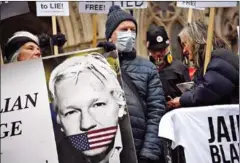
x=204 y=4
x=211 y=135
x=102 y=7
x=52 y=8
x=26 y=127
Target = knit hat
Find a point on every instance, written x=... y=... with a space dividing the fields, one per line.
x=16 y=41
x=115 y=16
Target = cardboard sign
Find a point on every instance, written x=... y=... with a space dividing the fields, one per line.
x=10 y=9
x=52 y=8
x=102 y=7
x=26 y=126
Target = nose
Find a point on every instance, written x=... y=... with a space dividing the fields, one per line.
x=87 y=121
x=37 y=53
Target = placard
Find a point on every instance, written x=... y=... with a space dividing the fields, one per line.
x=212 y=134
x=102 y=7
x=26 y=126
x=52 y=8
x=200 y=4
x=188 y=4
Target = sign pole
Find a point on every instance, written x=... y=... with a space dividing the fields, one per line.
x=190 y=12
x=54 y=30
x=94 y=30
x=209 y=38
x=1 y=56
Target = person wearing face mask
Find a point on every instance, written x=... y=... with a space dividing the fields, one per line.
x=171 y=71
x=121 y=32
x=22 y=46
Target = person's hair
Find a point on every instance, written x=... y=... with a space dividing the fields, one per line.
x=195 y=35
x=93 y=63
x=14 y=43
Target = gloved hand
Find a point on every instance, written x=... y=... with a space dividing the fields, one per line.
x=58 y=39
x=107 y=46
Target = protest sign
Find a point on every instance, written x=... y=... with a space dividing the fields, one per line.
x=205 y=4
x=211 y=134
x=188 y=4
x=10 y=9
x=26 y=127
x=84 y=91
x=102 y=7
x=52 y=8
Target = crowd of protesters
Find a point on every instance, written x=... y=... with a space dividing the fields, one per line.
x=154 y=80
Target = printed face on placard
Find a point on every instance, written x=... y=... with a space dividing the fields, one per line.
x=86 y=106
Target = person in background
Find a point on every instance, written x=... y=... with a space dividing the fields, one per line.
x=22 y=46
x=220 y=83
x=171 y=71
x=121 y=31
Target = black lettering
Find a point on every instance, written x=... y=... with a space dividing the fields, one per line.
x=29 y=98
x=233 y=153
x=100 y=7
x=222 y=129
x=15 y=128
x=211 y=128
x=51 y=6
x=128 y=4
x=215 y=154
x=5 y=133
x=223 y=155
x=6 y=106
x=232 y=124
x=238 y=121
x=17 y=104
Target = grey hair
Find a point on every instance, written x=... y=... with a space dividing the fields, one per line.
x=15 y=56
x=98 y=66
x=196 y=38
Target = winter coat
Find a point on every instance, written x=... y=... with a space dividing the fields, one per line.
x=144 y=122
x=172 y=74
x=220 y=84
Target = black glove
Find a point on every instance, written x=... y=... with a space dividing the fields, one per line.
x=107 y=46
x=58 y=39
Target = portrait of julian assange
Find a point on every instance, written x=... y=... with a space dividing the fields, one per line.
x=89 y=104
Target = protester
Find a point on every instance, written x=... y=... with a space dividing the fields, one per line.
x=220 y=84
x=121 y=31
x=89 y=102
x=171 y=71
x=21 y=46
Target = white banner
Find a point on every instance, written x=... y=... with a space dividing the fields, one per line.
x=26 y=127
x=207 y=134
x=52 y=8
x=102 y=7
x=10 y=9
x=205 y=4
x=188 y=4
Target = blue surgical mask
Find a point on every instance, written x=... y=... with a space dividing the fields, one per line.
x=125 y=41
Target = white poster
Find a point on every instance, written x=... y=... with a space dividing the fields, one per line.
x=26 y=127
x=188 y=4
x=208 y=134
x=102 y=7
x=52 y=8
x=216 y=4
x=10 y=9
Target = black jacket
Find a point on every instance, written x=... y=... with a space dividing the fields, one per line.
x=220 y=84
x=172 y=74
x=144 y=124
